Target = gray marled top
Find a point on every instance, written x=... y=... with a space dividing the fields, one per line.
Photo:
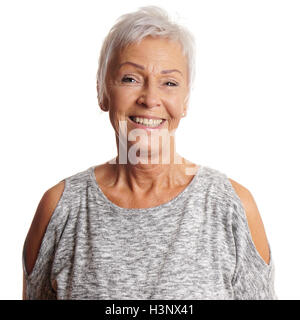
x=196 y=246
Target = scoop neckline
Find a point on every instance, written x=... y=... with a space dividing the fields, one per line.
x=139 y=210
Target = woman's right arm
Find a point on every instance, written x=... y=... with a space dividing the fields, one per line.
x=38 y=227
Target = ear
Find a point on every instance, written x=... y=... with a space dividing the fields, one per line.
x=104 y=104
x=186 y=103
x=185 y=110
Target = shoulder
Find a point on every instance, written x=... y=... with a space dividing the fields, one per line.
x=40 y=221
x=48 y=203
x=254 y=220
x=51 y=196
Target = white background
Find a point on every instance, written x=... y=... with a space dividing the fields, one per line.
x=243 y=117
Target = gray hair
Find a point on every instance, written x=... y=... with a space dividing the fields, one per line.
x=132 y=28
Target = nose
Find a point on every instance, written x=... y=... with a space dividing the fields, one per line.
x=149 y=97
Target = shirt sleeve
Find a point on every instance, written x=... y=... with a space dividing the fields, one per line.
x=253 y=278
x=39 y=283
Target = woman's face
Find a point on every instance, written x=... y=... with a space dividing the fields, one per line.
x=148 y=80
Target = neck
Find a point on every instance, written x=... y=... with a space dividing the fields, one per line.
x=163 y=169
x=142 y=178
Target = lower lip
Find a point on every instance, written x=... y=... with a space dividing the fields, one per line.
x=139 y=125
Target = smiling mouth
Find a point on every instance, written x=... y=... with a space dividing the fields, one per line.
x=147 y=122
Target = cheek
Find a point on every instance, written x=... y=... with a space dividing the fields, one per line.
x=175 y=106
x=123 y=97
x=119 y=104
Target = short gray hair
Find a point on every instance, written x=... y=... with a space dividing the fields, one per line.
x=132 y=28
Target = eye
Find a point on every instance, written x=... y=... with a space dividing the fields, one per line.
x=127 y=79
x=172 y=84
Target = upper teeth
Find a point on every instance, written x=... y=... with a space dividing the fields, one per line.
x=148 y=122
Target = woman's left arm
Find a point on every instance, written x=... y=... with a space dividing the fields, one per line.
x=254 y=273
x=254 y=220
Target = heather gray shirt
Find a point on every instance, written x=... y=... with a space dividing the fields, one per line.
x=196 y=246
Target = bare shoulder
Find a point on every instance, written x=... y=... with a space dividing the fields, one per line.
x=38 y=227
x=40 y=222
x=254 y=219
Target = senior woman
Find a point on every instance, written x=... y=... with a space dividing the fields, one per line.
x=148 y=224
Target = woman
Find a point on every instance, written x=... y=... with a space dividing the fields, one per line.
x=148 y=224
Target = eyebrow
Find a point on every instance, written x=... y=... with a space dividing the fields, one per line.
x=142 y=67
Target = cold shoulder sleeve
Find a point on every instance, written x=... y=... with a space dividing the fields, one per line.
x=253 y=278
x=39 y=283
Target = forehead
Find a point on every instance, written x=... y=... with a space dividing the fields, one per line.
x=154 y=52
